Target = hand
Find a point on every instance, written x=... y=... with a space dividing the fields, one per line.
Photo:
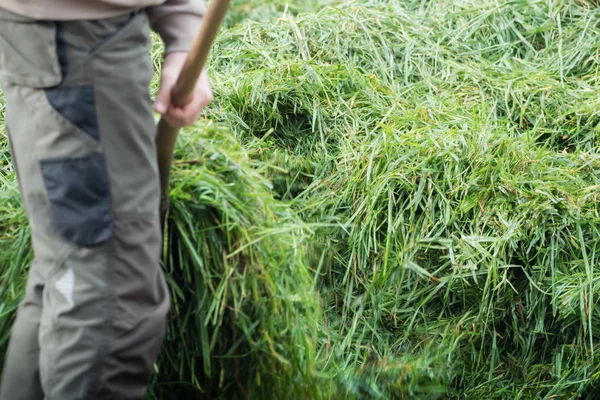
x=178 y=117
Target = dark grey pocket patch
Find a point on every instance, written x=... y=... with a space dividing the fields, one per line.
x=79 y=197
x=78 y=105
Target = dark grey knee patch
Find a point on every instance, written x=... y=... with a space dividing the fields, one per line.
x=77 y=105
x=79 y=197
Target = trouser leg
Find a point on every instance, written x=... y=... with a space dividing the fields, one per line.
x=84 y=147
x=21 y=378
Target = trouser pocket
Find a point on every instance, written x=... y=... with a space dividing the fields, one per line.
x=79 y=196
x=28 y=51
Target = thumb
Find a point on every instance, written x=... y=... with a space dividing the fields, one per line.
x=163 y=97
x=170 y=72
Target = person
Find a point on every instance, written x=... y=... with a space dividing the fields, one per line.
x=79 y=118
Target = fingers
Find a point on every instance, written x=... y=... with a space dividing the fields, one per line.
x=178 y=117
x=170 y=71
x=187 y=115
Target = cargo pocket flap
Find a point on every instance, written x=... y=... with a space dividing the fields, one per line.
x=28 y=52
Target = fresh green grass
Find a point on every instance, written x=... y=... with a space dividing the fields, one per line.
x=244 y=315
x=387 y=199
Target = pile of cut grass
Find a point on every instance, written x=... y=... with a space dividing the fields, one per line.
x=388 y=199
x=454 y=145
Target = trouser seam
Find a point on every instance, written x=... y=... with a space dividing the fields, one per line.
x=108 y=332
x=111 y=296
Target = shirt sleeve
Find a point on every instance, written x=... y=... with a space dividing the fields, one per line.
x=177 y=22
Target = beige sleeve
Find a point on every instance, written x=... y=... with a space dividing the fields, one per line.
x=177 y=22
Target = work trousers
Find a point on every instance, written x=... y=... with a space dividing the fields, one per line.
x=81 y=130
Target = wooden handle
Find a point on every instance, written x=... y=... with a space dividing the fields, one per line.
x=165 y=146
x=199 y=53
x=182 y=91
